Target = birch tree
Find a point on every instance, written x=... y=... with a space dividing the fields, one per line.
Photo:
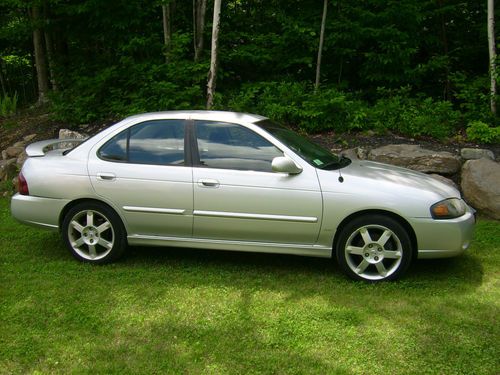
x=320 y=48
x=493 y=55
x=212 y=74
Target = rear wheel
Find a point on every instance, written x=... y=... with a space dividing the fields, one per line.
x=374 y=248
x=94 y=233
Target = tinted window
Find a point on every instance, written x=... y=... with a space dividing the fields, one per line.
x=231 y=146
x=151 y=142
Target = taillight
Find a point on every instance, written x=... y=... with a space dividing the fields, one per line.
x=22 y=185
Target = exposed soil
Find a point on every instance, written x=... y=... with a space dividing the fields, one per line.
x=13 y=129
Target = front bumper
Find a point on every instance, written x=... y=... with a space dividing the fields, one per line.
x=443 y=238
x=37 y=211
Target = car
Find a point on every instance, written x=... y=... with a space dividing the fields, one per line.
x=235 y=181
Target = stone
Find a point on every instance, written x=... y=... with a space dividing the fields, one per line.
x=21 y=159
x=19 y=144
x=481 y=186
x=4 y=155
x=444 y=180
x=14 y=151
x=350 y=153
x=71 y=134
x=15 y=181
x=7 y=169
x=417 y=158
x=362 y=153
x=29 y=138
x=476 y=153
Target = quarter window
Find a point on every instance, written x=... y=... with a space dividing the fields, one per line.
x=232 y=146
x=152 y=142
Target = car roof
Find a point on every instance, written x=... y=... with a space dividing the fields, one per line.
x=200 y=115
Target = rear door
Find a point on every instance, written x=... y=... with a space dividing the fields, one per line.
x=144 y=173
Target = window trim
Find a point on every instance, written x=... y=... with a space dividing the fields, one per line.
x=187 y=148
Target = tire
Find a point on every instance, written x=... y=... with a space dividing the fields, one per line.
x=374 y=248
x=94 y=233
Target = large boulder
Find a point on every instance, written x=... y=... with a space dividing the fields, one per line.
x=481 y=186
x=71 y=134
x=14 y=151
x=417 y=158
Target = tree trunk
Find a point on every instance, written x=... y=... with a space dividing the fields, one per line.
x=49 y=47
x=212 y=74
x=199 y=11
x=167 y=30
x=320 y=48
x=2 y=83
x=40 y=60
x=493 y=55
x=444 y=41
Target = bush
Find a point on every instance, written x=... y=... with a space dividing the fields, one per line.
x=478 y=131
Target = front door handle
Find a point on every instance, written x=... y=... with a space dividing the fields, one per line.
x=208 y=182
x=106 y=176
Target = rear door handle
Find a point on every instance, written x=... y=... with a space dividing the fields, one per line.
x=106 y=176
x=208 y=182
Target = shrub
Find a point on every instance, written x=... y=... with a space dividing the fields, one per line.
x=478 y=131
x=8 y=105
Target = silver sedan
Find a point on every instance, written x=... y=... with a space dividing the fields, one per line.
x=234 y=181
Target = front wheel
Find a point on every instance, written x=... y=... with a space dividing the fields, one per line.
x=374 y=248
x=94 y=233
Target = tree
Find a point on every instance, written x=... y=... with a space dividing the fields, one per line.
x=493 y=55
x=212 y=74
x=40 y=58
x=199 y=11
x=167 y=29
x=320 y=48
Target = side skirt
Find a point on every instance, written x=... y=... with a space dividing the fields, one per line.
x=227 y=245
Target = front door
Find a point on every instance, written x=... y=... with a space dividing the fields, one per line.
x=238 y=197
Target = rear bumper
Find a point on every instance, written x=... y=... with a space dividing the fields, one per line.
x=443 y=238
x=37 y=211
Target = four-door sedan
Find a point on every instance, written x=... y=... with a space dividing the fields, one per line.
x=235 y=181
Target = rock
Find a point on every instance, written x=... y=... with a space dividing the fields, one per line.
x=29 y=138
x=350 y=153
x=417 y=158
x=14 y=151
x=361 y=152
x=70 y=134
x=444 y=180
x=7 y=169
x=21 y=159
x=354 y=153
x=476 y=153
x=15 y=181
x=481 y=186
x=19 y=144
x=4 y=155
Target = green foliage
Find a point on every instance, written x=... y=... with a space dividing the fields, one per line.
x=478 y=131
x=414 y=116
x=8 y=105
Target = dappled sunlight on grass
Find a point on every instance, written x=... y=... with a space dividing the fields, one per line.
x=196 y=311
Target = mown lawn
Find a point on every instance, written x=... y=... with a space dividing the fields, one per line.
x=189 y=311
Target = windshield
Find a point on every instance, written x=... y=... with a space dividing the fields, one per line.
x=314 y=154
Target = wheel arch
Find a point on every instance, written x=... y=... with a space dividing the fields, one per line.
x=75 y=202
x=406 y=225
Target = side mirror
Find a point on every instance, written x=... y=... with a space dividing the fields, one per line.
x=285 y=165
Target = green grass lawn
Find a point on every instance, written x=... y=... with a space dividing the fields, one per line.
x=190 y=311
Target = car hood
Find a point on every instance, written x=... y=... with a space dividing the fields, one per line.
x=384 y=177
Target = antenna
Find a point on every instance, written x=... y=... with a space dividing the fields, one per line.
x=341 y=179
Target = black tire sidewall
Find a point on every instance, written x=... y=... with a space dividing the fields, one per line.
x=388 y=222
x=120 y=241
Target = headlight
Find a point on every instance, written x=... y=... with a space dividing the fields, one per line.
x=448 y=209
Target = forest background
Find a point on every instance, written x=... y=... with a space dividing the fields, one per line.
x=412 y=67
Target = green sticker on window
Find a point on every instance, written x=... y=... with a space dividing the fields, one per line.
x=317 y=162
